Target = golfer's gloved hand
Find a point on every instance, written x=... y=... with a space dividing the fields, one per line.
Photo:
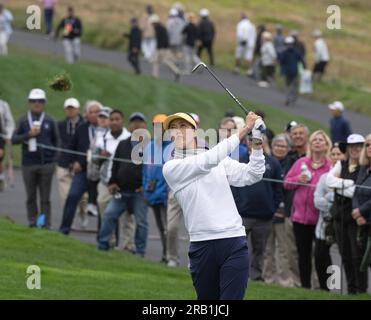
x=258 y=131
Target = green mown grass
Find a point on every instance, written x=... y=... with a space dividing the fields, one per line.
x=71 y=269
x=22 y=71
x=348 y=71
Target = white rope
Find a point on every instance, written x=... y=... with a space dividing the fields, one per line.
x=131 y=162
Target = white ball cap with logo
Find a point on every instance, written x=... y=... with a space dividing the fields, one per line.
x=355 y=138
x=72 y=102
x=337 y=105
x=37 y=94
x=204 y=12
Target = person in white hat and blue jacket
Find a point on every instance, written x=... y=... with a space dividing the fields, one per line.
x=340 y=128
x=201 y=181
x=35 y=129
x=67 y=129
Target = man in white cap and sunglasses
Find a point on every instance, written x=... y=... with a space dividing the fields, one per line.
x=201 y=180
x=35 y=130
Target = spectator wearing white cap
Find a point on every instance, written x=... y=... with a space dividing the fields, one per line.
x=246 y=38
x=339 y=126
x=93 y=168
x=342 y=178
x=34 y=129
x=206 y=33
x=321 y=55
x=289 y=60
x=81 y=142
x=67 y=129
x=268 y=60
x=175 y=25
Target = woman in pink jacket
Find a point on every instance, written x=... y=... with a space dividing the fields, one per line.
x=303 y=177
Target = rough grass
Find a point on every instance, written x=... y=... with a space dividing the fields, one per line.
x=117 y=89
x=71 y=269
x=349 y=47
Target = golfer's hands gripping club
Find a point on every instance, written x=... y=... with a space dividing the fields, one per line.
x=254 y=127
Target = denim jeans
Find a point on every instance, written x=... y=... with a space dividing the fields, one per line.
x=114 y=210
x=48 y=13
x=78 y=187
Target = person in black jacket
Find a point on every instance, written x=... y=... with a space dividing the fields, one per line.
x=36 y=127
x=206 y=33
x=190 y=33
x=135 y=40
x=67 y=129
x=257 y=205
x=82 y=141
x=126 y=187
x=342 y=178
x=72 y=31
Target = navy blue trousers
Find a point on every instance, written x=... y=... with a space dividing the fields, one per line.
x=219 y=268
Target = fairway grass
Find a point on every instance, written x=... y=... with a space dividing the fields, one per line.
x=71 y=269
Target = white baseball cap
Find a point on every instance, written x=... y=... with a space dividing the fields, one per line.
x=72 y=102
x=173 y=12
x=337 y=105
x=355 y=138
x=289 y=40
x=204 y=12
x=37 y=94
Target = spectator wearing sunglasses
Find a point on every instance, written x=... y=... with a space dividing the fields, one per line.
x=37 y=132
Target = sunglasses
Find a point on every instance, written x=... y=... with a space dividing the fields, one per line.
x=37 y=100
x=368 y=145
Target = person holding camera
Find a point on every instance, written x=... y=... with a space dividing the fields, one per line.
x=324 y=237
x=33 y=129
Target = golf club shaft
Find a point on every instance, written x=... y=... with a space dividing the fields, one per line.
x=226 y=89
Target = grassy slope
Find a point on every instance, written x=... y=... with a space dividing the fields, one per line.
x=74 y=270
x=349 y=72
x=129 y=93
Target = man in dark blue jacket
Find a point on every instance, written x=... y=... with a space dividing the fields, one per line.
x=289 y=60
x=67 y=129
x=339 y=126
x=257 y=205
x=33 y=129
x=82 y=141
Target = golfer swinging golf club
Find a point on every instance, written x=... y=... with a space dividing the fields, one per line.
x=200 y=180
